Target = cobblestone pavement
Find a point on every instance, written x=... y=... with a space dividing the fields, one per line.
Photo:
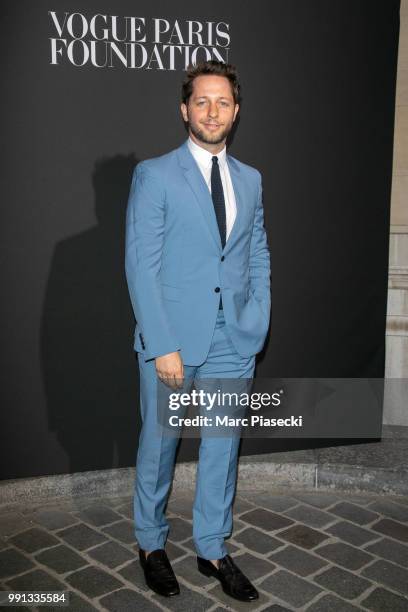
x=304 y=550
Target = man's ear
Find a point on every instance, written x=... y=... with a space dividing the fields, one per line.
x=183 y=109
x=236 y=111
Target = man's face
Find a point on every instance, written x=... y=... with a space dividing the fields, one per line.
x=211 y=110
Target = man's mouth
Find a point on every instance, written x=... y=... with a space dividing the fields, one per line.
x=212 y=126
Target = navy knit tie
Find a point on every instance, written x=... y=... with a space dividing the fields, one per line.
x=217 y=194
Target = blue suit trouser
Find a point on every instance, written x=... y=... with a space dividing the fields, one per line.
x=217 y=462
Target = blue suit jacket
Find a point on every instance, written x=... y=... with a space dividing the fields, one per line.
x=175 y=261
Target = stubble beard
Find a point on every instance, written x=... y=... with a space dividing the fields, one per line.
x=202 y=136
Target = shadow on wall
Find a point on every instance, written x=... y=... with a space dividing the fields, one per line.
x=88 y=362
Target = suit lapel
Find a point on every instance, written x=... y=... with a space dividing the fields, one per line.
x=195 y=179
x=238 y=185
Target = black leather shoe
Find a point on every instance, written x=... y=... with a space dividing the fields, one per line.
x=233 y=581
x=158 y=572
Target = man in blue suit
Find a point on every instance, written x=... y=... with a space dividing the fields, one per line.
x=198 y=272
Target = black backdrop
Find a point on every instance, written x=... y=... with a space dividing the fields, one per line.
x=317 y=120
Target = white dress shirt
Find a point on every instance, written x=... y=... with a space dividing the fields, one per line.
x=204 y=162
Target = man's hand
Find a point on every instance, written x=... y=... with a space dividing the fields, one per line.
x=170 y=369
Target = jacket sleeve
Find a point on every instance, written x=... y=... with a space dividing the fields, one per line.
x=145 y=233
x=259 y=257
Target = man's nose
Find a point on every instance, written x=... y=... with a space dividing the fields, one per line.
x=213 y=110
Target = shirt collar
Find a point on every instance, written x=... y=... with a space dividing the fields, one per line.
x=204 y=157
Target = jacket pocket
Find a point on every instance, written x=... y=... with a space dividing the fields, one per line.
x=171 y=293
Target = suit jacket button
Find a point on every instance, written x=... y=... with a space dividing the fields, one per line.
x=222 y=258
x=217 y=290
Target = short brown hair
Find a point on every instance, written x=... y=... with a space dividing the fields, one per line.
x=211 y=67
